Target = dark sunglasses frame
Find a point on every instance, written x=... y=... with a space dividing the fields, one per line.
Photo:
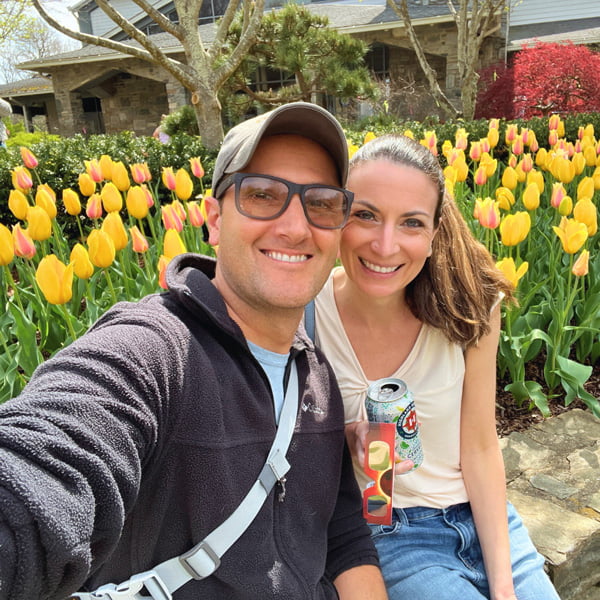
x=236 y=179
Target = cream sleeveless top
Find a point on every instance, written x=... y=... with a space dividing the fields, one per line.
x=434 y=373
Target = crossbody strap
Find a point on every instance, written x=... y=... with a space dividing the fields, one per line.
x=205 y=557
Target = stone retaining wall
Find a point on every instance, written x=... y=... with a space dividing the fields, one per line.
x=553 y=478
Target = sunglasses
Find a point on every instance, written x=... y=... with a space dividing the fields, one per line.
x=379 y=466
x=265 y=197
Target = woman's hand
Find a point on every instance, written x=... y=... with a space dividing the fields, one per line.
x=356 y=437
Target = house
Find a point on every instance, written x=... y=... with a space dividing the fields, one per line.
x=95 y=89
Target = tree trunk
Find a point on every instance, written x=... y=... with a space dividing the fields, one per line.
x=208 y=114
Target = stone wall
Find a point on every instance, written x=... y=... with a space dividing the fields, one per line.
x=553 y=478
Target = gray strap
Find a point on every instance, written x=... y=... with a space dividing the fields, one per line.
x=204 y=558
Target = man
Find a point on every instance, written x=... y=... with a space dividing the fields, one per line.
x=139 y=439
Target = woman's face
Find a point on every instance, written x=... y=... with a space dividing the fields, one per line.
x=389 y=234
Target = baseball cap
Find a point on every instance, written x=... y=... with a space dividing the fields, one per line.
x=299 y=118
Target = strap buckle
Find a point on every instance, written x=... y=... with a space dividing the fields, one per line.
x=130 y=589
x=199 y=555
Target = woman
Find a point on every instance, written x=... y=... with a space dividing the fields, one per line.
x=418 y=299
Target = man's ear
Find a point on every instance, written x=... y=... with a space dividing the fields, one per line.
x=213 y=219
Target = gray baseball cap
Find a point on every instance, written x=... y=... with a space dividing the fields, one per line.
x=299 y=118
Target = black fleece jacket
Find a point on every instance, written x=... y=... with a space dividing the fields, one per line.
x=137 y=440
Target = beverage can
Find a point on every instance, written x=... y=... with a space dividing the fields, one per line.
x=390 y=401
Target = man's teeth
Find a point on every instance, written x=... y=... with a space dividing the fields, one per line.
x=287 y=257
x=377 y=268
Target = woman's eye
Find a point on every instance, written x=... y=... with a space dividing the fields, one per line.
x=413 y=223
x=364 y=215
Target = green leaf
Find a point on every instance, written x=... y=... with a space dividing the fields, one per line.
x=532 y=391
x=28 y=352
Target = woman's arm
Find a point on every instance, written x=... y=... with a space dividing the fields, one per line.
x=482 y=464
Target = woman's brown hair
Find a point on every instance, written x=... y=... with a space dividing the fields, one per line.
x=460 y=283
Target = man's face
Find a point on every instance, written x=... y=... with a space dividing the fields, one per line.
x=269 y=266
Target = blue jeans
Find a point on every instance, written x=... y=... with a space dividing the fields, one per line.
x=434 y=554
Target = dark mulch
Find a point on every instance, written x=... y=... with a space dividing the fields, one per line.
x=510 y=417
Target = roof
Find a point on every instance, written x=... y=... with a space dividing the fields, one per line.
x=33 y=86
x=578 y=31
x=349 y=16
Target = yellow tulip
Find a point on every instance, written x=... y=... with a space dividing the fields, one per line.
x=28 y=157
x=106 y=167
x=537 y=177
x=553 y=122
x=589 y=154
x=55 y=279
x=509 y=178
x=585 y=212
x=521 y=175
x=511 y=133
x=168 y=178
x=578 y=162
x=581 y=265
x=475 y=151
x=120 y=177
x=352 y=148
x=138 y=242
x=461 y=138
x=558 y=193
x=368 y=137
x=566 y=206
x=111 y=198
x=566 y=170
x=447 y=148
x=94 y=170
x=596 y=178
x=488 y=163
x=137 y=205
x=113 y=225
x=515 y=228
x=493 y=137
x=462 y=169
x=82 y=265
x=71 y=201
x=450 y=175
x=18 y=205
x=139 y=172
x=487 y=213
x=183 y=184
x=480 y=177
x=195 y=214
x=172 y=244
x=531 y=196
x=101 y=248
x=572 y=234
x=21 y=179
x=508 y=267
x=46 y=202
x=585 y=188
x=22 y=242
x=93 y=207
x=39 y=224
x=505 y=198
x=430 y=141
x=163 y=263
x=7 y=245
x=198 y=169
x=541 y=157
x=87 y=186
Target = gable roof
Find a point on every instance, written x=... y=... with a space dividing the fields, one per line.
x=347 y=16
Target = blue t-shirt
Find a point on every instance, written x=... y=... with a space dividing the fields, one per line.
x=274 y=366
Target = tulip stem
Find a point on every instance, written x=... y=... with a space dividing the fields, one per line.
x=15 y=289
x=110 y=285
x=68 y=319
